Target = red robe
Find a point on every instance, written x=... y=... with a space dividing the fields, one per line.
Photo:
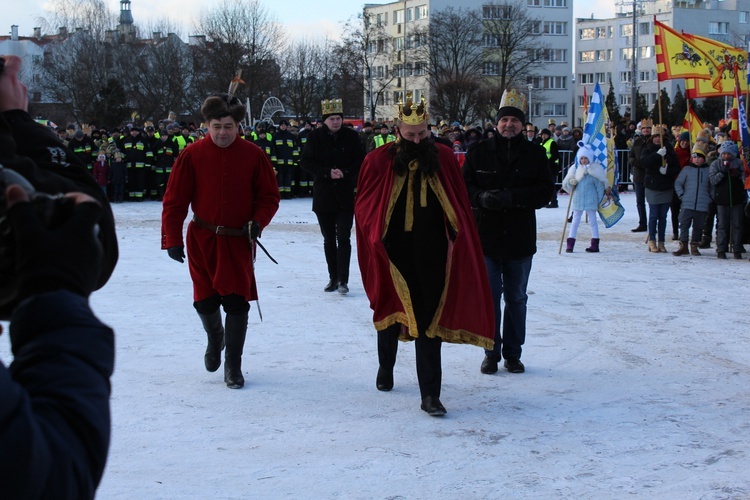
x=465 y=314
x=224 y=187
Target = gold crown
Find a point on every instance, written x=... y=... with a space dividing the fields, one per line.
x=332 y=107
x=647 y=123
x=412 y=114
x=513 y=99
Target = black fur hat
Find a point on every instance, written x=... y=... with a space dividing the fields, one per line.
x=218 y=106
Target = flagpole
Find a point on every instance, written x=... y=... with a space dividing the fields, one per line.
x=565 y=224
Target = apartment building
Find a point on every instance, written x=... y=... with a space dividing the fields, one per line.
x=607 y=52
x=551 y=91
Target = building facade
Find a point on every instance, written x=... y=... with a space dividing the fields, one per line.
x=605 y=48
x=400 y=69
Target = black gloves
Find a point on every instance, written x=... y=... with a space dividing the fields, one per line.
x=56 y=250
x=177 y=253
x=254 y=229
x=495 y=199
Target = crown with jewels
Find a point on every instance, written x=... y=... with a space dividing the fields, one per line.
x=411 y=113
x=513 y=99
x=332 y=107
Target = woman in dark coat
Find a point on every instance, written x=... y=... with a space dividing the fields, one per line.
x=661 y=168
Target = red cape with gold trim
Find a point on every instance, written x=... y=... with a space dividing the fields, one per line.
x=465 y=313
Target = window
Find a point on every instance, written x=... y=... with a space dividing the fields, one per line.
x=647 y=52
x=744 y=17
x=554 y=109
x=644 y=76
x=535 y=26
x=610 y=31
x=584 y=78
x=644 y=28
x=496 y=11
x=534 y=3
x=554 y=83
x=601 y=32
x=397 y=96
x=653 y=98
x=610 y=54
x=554 y=55
x=626 y=54
x=625 y=99
x=491 y=68
x=625 y=76
x=586 y=34
x=718 y=28
x=409 y=14
x=490 y=40
x=398 y=43
x=586 y=56
x=626 y=30
x=420 y=68
x=580 y=100
x=535 y=81
x=555 y=28
x=600 y=77
x=555 y=3
x=398 y=16
x=601 y=55
x=420 y=12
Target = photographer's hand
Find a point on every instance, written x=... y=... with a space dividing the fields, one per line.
x=64 y=255
x=13 y=93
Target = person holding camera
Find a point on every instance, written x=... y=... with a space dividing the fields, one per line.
x=55 y=394
x=231 y=187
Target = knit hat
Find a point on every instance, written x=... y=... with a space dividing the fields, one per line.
x=729 y=147
x=584 y=150
x=685 y=136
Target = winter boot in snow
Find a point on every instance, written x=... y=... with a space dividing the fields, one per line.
x=571 y=244
x=661 y=248
x=215 y=330
x=694 y=249
x=652 y=246
x=594 y=248
x=681 y=250
x=705 y=241
x=236 y=329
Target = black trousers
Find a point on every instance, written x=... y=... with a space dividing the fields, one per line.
x=336 y=228
x=429 y=366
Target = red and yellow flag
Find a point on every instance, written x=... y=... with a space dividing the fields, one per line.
x=730 y=63
x=678 y=57
x=692 y=124
x=585 y=103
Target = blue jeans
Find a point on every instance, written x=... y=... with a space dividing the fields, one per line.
x=657 y=221
x=508 y=281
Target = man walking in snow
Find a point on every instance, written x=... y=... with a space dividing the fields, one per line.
x=231 y=187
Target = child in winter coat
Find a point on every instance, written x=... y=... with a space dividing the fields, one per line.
x=118 y=171
x=586 y=181
x=101 y=170
x=693 y=189
x=727 y=176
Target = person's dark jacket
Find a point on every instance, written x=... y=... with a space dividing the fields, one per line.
x=651 y=162
x=55 y=414
x=520 y=168
x=727 y=183
x=634 y=158
x=35 y=152
x=324 y=151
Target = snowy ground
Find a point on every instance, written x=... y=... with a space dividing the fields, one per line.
x=638 y=368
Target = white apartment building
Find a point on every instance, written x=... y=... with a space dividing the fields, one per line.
x=604 y=47
x=551 y=91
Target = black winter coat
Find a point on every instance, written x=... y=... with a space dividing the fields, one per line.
x=514 y=165
x=323 y=152
x=651 y=162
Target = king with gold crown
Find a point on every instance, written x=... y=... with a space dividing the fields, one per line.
x=419 y=253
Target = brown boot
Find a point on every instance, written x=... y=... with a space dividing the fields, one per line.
x=661 y=247
x=652 y=246
x=681 y=250
x=694 y=249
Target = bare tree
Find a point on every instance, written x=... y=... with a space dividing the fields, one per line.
x=91 y=15
x=241 y=34
x=305 y=77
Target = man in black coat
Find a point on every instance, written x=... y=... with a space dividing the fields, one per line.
x=508 y=178
x=332 y=155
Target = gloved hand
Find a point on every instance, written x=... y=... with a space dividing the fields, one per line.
x=663 y=170
x=495 y=199
x=573 y=181
x=177 y=253
x=64 y=253
x=254 y=229
x=662 y=152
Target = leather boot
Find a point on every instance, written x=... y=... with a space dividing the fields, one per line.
x=705 y=242
x=661 y=248
x=694 y=249
x=236 y=329
x=594 y=248
x=571 y=244
x=652 y=246
x=215 y=331
x=681 y=250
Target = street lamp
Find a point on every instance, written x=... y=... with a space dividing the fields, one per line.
x=530 y=86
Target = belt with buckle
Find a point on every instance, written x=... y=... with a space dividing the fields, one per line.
x=219 y=230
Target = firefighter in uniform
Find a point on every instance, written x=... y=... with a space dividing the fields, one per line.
x=287 y=158
x=135 y=147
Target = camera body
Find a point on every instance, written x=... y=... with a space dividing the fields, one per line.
x=52 y=210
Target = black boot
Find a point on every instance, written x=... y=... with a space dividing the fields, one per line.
x=236 y=329
x=215 y=330
x=387 y=351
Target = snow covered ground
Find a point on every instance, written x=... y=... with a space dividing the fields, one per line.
x=638 y=369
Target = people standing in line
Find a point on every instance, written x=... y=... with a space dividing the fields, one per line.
x=508 y=179
x=333 y=154
x=639 y=174
x=692 y=187
x=587 y=182
x=419 y=253
x=661 y=167
x=231 y=187
x=727 y=177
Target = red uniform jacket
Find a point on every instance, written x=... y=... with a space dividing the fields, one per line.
x=465 y=314
x=224 y=187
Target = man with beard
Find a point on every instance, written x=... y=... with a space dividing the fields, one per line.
x=508 y=178
x=333 y=155
x=419 y=254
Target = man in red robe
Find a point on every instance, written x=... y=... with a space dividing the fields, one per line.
x=419 y=254
x=231 y=187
